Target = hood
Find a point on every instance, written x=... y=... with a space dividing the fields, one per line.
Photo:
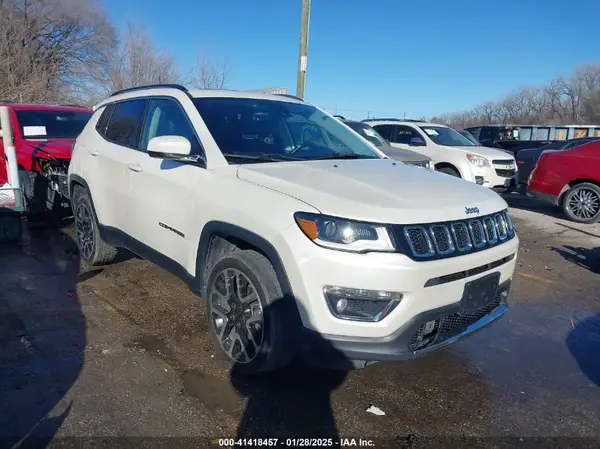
x=400 y=154
x=376 y=190
x=56 y=148
x=490 y=153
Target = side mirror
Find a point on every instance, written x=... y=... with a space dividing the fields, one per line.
x=416 y=142
x=169 y=147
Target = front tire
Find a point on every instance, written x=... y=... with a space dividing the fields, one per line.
x=581 y=204
x=246 y=312
x=92 y=248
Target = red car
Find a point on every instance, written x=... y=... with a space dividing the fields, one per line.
x=43 y=138
x=570 y=179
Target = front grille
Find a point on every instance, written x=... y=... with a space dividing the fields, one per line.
x=503 y=161
x=448 y=326
x=455 y=238
x=505 y=173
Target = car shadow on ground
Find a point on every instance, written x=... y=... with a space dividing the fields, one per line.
x=584 y=343
x=42 y=335
x=524 y=202
x=588 y=258
x=294 y=401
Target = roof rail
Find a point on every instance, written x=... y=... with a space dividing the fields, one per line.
x=150 y=86
x=341 y=117
x=290 y=96
x=391 y=119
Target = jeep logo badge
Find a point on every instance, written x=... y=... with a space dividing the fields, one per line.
x=471 y=210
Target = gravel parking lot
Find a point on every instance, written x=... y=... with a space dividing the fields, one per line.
x=124 y=351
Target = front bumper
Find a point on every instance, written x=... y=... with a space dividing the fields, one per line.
x=404 y=344
x=546 y=197
x=425 y=285
x=498 y=178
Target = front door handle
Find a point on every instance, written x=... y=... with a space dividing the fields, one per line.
x=93 y=152
x=134 y=167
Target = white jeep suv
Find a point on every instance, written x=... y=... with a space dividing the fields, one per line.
x=301 y=236
x=451 y=152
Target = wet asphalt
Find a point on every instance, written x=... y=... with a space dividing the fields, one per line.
x=123 y=350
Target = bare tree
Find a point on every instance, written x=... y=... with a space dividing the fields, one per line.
x=136 y=62
x=210 y=73
x=564 y=100
x=47 y=45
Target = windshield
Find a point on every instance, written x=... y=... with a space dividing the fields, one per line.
x=469 y=136
x=368 y=133
x=442 y=135
x=246 y=128
x=47 y=124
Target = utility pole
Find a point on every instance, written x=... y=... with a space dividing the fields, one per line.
x=303 y=56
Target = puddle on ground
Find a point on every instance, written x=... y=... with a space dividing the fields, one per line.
x=214 y=392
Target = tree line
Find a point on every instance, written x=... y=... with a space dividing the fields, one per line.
x=566 y=100
x=68 y=51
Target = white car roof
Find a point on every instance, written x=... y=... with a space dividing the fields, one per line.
x=401 y=122
x=197 y=93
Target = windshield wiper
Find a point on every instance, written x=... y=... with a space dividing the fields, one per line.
x=267 y=157
x=338 y=155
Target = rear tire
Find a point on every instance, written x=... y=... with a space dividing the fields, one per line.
x=581 y=204
x=92 y=248
x=449 y=171
x=247 y=312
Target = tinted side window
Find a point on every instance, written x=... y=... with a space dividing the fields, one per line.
x=387 y=131
x=474 y=132
x=404 y=134
x=104 y=118
x=166 y=118
x=125 y=122
x=485 y=134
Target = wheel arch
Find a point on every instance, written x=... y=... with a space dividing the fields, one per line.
x=571 y=184
x=441 y=165
x=222 y=233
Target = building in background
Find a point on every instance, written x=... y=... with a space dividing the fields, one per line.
x=271 y=90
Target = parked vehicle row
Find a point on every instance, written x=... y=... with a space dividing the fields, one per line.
x=43 y=136
x=570 y=178
x=451 y=153
x=527 y=158
x=302 y=235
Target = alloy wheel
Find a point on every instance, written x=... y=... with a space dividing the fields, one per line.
x=84 y=224
x=236 y=315
x=584 y=204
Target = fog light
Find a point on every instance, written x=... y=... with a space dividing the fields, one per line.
x=479 y=180
x=341 y=305
x=360 y=305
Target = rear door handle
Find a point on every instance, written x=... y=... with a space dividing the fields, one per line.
x=93 y=152
x=134 y=167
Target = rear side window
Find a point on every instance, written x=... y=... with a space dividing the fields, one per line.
x=125 y=123
x=387 y=131
x=104 y=118
x=404 y=134
x=485 y=134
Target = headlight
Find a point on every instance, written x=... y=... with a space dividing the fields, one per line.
x=478 y=161
x=345 y=235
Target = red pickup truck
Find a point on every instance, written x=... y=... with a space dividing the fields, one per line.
x=43 y=139
x=570 y=179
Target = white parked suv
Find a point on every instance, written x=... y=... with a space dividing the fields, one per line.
x=301 y=236
x=451 y=152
